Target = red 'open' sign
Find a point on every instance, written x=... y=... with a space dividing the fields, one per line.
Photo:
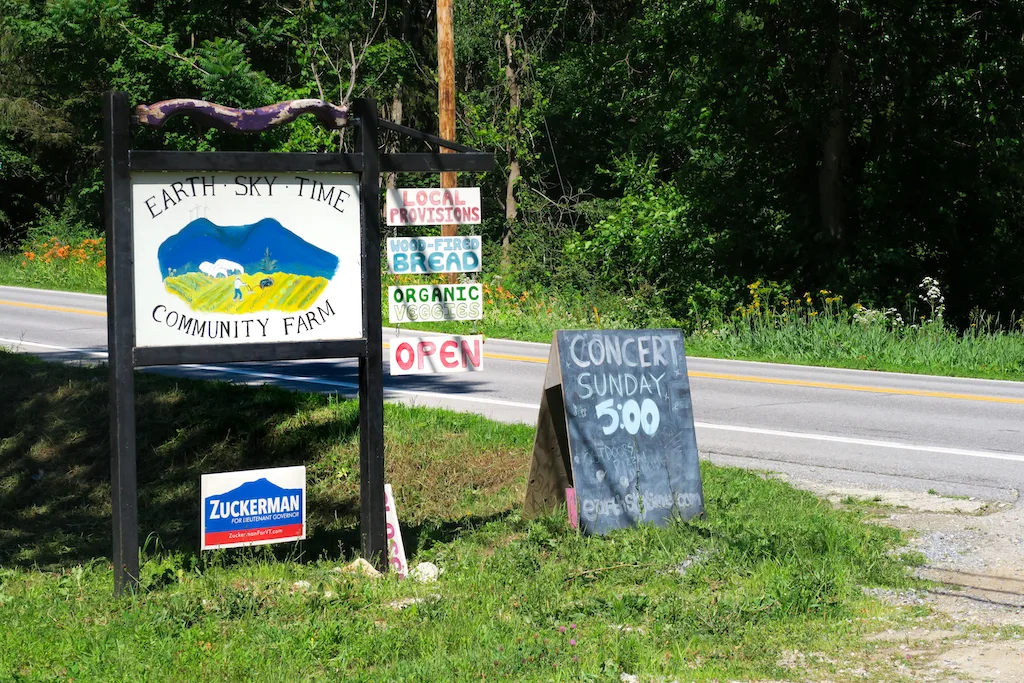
x=436 y=354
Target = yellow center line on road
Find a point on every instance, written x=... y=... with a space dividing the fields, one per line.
x=892 y=391
x=804 y=383
x=61 y=309
x=857 y=387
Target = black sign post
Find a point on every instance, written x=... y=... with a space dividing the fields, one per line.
x=124 y=356
x=616 y=424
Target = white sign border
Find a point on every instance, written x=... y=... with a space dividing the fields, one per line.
x=237 y=479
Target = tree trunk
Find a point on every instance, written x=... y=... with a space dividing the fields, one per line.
x=835 y=150
x=514 y=173
x=391 y=179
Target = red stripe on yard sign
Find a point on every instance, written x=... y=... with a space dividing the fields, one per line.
x=276 y=533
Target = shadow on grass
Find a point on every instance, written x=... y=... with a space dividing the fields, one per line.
x=55 y=465
x=55 y=508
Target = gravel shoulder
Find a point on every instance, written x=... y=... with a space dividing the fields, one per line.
x=968 y=625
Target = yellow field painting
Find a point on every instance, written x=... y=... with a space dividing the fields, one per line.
x=288 y=292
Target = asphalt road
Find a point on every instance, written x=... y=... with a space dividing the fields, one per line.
x=846 y=427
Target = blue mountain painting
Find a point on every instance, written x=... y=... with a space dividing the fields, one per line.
x=201 y=240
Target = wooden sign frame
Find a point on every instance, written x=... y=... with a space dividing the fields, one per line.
x=121 y=158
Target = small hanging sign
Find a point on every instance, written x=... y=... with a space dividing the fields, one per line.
x=440 y=354
x=437 y=254
x=433 y=206
x=432 y=303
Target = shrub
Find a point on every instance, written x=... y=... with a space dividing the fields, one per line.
x=648 y=243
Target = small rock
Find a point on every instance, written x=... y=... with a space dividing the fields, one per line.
x=359 y=566
x=629 y=678
x=425 y=572
x=405 y=602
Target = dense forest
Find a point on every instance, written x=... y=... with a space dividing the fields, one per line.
x=670 y=150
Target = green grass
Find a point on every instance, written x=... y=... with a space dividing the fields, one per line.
x=834 y=339
x=769 y=570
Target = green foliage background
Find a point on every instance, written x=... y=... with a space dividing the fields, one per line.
x=671 y=150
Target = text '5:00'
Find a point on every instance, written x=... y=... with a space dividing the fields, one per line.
x=635 y=416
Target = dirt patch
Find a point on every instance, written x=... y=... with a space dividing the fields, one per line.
x=912 y=500
x=1001 y=662
x=974 y=554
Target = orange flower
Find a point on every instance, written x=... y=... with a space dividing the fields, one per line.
x=31 y=255
x=102 y=263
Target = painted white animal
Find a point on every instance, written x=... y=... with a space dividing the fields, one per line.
x=229 y=267
x=220 y=268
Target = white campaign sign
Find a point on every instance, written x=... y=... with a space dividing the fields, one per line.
x=433 y=206
x=436 y=354
x=254 y=507
x=436 y=254
x=226 y=258
x=427 y=303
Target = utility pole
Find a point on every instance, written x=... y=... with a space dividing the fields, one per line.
x=446 y=95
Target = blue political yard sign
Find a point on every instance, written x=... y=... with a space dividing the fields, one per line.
x=253 y=507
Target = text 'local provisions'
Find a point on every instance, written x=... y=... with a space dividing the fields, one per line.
x=431 y=206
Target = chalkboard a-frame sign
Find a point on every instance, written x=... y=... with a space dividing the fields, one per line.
x=616 y=423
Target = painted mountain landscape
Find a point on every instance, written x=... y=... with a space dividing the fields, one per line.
x=244 y=268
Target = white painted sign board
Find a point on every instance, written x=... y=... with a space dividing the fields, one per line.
x=254 y=507
x=432 y=303
x=438 y=354
x=227 y=258
x=433 y=206
x=434 y=254
x=396 y=547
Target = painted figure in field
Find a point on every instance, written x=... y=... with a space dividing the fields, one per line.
x=291 y=272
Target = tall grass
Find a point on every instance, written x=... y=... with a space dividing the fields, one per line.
x=820 y=330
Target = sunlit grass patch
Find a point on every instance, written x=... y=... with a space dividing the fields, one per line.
x=769 y=569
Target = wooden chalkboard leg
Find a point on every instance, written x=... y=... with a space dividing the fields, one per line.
x=550 y=466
